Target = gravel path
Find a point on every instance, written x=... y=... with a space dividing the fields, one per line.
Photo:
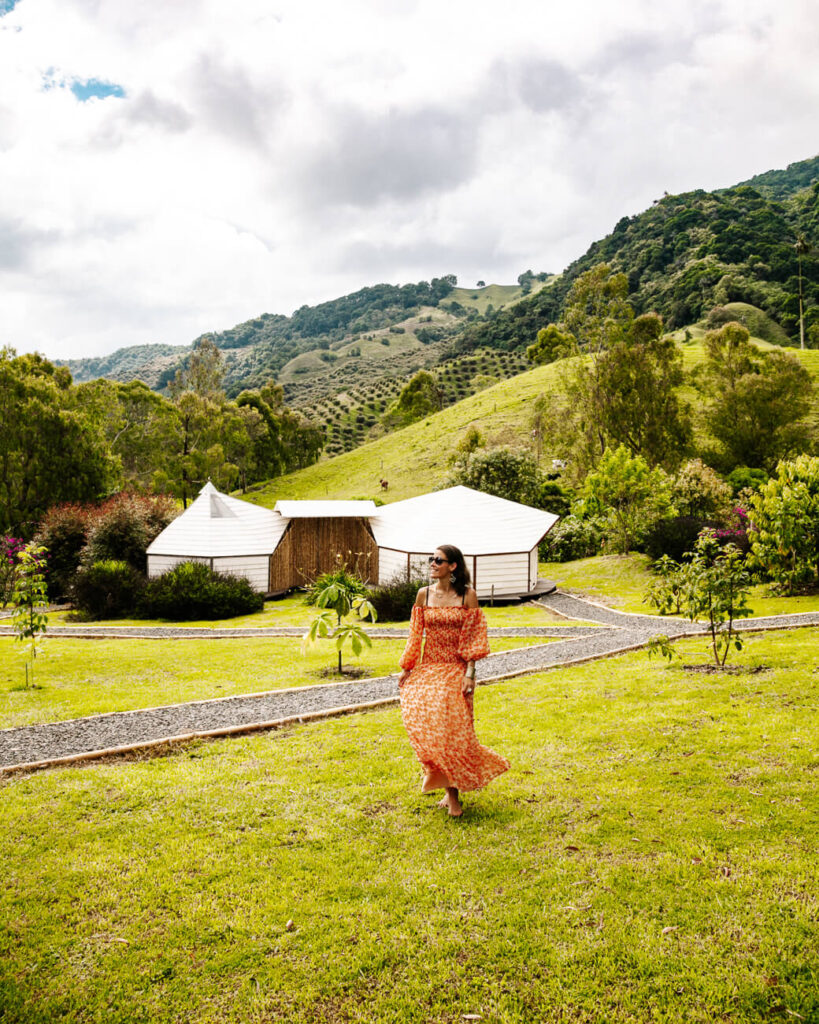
x=37 y=743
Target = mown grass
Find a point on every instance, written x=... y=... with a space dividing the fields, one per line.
x=649 y=857
x=621 y=582
x=87 y=677
x=293 y=611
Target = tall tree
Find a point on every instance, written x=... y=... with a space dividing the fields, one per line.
x=756 y=402
x=50 y=450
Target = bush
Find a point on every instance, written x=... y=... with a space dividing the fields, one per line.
x=570 y=539
x=697 y=491
x=675 y=536
x=506 y=472
x=107 y=589
x=122 y=528
x=394 y=600
x=744 y=478
x=192 y=590
x=64 y=532
x=342 y=576
x=10 y=547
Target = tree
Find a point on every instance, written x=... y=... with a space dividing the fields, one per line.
x=803 y=248
x=30 y=597
x=626 y=388
x=713 y=585
x=785 y=518
x=552 y=344
x=628 y=494
x=419 y=398
x=202 y=373
x=756 y=402
x=506 y=472
x=698 y=490
x=340 y=594
x=50 y=450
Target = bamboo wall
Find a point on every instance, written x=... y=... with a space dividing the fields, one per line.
x=310 y=547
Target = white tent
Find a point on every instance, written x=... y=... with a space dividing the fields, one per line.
x=498 y=537
x=228 y=534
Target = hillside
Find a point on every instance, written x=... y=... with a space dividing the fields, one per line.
x=415 y=459
x=688 y=253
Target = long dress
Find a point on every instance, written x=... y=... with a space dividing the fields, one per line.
x=438 y=717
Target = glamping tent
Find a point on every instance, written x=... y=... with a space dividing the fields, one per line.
x=227 y=534
x=498 y=537
x=283 y=548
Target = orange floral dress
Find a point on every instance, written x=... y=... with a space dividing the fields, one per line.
x=437 y=716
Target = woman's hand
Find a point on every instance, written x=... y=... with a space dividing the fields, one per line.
x=403 y=676
x=468 y=685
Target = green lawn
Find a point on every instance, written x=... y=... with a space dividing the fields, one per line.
x=86 y=677
x=650 y=857
x=292 y=611
x=621 y=581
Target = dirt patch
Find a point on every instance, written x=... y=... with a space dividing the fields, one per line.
x=348 y=672
x=727 y=670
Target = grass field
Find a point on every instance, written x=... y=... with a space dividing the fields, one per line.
x=621 y=581
x=650 y=857
x=87 y=677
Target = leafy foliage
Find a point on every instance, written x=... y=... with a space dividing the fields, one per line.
x=697 y=490
x=571 y=538
x=122 y=528
x=10 y=547
x=506 y=472
x=107 y=589
x=785 y=520
x=192 y=590
x=756 y=402
x=30 y=596
x=50 y=451
x=628 y=495
x=393 y=600
x=419 y=398
x=714 y=584
x=339 y=595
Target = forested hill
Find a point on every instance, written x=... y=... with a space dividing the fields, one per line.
x=260 y=347
x=688 y=253
x=684 y=255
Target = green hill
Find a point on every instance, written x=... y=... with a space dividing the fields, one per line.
x=415 y=459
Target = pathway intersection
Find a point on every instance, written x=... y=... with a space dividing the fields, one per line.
x=610 y=632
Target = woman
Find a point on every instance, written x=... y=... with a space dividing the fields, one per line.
x=436 y=692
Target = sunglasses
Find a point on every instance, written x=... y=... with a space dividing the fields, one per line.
x=435 y=560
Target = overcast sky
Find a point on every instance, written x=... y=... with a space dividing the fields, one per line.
x=176 y=167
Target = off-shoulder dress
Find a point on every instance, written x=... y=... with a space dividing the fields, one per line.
x=437 y=716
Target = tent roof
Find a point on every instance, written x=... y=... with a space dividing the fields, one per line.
x=325 y=509
x=477 y=523
x=217 y=526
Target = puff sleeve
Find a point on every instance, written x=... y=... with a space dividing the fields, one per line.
x=412 y=651
x=473 y=644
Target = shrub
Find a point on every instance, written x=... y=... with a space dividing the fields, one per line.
x=570 y=539
x=64 y=532
x=785 y=521
x=743 y=478
x=107 y=589
x=192 y=590
x=122 y=528
x=675 y=536
x=342 y=576
x=698 y=491
x=394 y=600
x=506 y=472
x=10 y=548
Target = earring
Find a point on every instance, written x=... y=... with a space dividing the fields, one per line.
x=452 y=578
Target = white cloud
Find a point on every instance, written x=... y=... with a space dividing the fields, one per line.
x=269 y=155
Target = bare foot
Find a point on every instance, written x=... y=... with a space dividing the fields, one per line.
x=452 y=803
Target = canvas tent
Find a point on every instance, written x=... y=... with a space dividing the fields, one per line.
x=498 y=537
x=283 y=548
x=227 y=534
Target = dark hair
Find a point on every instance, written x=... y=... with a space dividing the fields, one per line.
x=462 y=578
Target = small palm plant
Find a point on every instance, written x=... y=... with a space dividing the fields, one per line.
x=339 y=595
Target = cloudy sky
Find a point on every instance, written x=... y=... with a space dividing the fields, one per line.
x=177 y=167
